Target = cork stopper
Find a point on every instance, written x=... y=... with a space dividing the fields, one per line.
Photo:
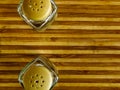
x=37 y=10
x=37 y=78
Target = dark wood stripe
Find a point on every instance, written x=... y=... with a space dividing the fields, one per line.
x=9 y=14
x=71 y=80
x=62 y=55
x=90 y=7
x=87 y=14
x=68 y=14
x=12 y=22
x=10 y=72
x=9 y=81
x=65 y=88
x=89 y=80
x=65 y=64
x=62 y=7
x=87 y=88
x=93 y=23
x=60 y=31
x=93 y=64
x=29 y=47
x=12 y=64
x=11 y=88
x=91 y=0
x=97 y=23
x=88 y=72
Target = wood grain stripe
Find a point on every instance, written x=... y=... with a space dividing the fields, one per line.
x=67 y=68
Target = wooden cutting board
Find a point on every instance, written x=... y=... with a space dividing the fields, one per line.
x=83 y=43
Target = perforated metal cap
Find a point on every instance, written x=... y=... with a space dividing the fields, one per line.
x=37 y=10
x=40 y=74
x=38 y=13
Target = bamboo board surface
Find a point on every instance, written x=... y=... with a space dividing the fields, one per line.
x=83 y=43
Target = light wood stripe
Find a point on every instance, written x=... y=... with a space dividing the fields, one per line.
x=71 y=84
x=86 y=27
x=87 y=42
x=15 y=60
x=65 y=35
x=90 y=68
x=90 y=76
x=46 y=43
x=86 y=60
x=90 y=84
x=9 y=77
x=90 y=3
x=81 y=43
x=61 y=51
x=99 y=11
x=90 y=11
x=76 y=37
x=71 y=76
x=65 y=27
x=51 y=52
x=85 y=19
x=10 y=85
x=76 y=2
x=76 y=60
x=67 y=68
x=69 y=19
x=4 y=68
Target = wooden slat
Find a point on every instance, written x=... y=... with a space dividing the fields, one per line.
x=83 y=42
